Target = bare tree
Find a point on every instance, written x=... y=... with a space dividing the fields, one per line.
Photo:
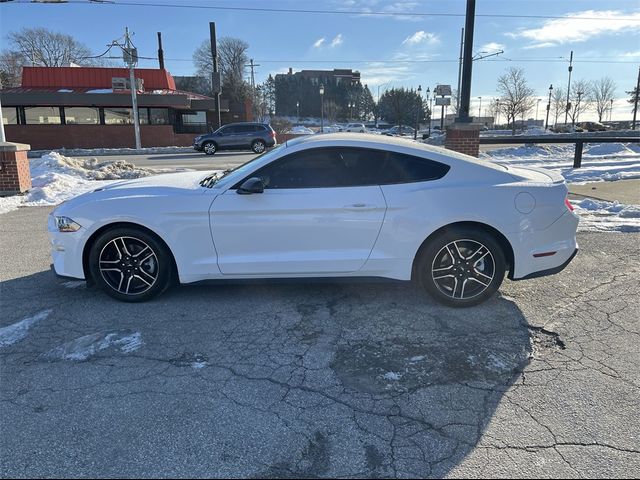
x=516 y=97
x=40 y=47
x=558 y=102
x=603 y=91
x=581 y=99
x=232 y=58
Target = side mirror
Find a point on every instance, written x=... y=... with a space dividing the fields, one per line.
x=251 y=185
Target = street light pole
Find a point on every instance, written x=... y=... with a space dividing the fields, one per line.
x=321 y=108
x=568 y=106
x=298 y=110
x=546 y=126
x=415 y=133
x=537 y=105
x=429 y=116
x=480 y=108
x=131 y=59
x=610 y=109
x=575 y=118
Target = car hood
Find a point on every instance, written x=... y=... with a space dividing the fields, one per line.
x=180 y=180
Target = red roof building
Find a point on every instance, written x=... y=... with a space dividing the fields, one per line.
x=91 y=107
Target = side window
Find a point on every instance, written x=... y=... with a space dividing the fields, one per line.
x=403 y=168
x=245 y=129
x=317 y=168
x=228 y=130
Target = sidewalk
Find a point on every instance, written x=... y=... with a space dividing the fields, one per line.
x=622 y=191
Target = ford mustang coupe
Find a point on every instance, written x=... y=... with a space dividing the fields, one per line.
x=334 y=205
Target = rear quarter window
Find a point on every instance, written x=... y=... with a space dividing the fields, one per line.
x=401 y=168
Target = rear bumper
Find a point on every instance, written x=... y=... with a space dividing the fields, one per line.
x=550 y=271
x=545 y=252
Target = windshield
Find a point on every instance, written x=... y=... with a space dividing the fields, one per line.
x=214 y=177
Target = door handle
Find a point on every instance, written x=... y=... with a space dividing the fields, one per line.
x=360 y=207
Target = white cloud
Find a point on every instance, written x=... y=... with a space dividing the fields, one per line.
x=567 y=30
x=318 y=43
x=630 y=54
x=491 y=47
x=421 y=37
x=337 y=41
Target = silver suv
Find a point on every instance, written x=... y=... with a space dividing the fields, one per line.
x=237 y=136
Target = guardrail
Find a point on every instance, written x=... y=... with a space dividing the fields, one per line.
x=579 y=140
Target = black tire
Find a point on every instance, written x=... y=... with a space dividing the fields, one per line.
x=258 y=146
x=134 y=271
x=209 y=148
x=465 y=275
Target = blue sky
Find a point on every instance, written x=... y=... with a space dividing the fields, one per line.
x=377 y=45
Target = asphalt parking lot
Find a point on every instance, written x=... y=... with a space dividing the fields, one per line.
x=319 y=380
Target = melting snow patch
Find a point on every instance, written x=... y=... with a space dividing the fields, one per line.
x=393 y=376
x=417 y=358
x=598 y=215
x=85 y=347
x=16 y=332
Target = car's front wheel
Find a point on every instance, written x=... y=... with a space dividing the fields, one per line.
x=461 y=267
x=210 y=148
x=258 y=146
x=130 y=264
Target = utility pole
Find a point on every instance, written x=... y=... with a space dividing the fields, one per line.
x=537 y=105
x=131 y=59
x=215 y=76
x=252 y=66
x=480 y=107
x=635 y=103
x=459 y=72
x=467 y=63
x=2 y=137
x=568 y=106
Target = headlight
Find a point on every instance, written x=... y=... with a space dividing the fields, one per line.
x=65 y=224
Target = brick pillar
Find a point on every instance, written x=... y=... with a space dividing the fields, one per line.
x=15 y=175
x=463 y=138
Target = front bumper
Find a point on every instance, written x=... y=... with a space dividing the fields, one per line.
x=66 y=251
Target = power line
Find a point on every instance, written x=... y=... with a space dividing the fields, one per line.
x=335 y=12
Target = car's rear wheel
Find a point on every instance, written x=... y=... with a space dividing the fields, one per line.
x=461 y=267
x=209 y=148
x=130 y=264
x=258 y=146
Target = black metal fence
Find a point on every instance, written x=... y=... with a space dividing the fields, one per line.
x=578 y=139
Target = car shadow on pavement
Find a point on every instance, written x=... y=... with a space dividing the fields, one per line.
x=262 y=380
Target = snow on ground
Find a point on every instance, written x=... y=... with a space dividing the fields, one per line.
x=600 y=162
x=601 y=216
x=56 y=178
x=87 y=346
x=17 y=331
x=85 y=152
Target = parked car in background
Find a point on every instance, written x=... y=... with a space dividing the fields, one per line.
x=355 y=127
x=561 y=128
x=593 y=127
x=397 y=131
x=301 y=130
x=237 y=136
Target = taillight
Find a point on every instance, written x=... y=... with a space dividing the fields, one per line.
x=273 y=134
x=568 y=204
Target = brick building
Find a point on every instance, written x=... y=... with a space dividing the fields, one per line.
x=90 y=107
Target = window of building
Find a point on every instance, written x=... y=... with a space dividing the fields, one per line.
x=160 y=116
x=143 y=116
x=42 y=115
x=81 y=115
x=9 y=115
x=194 y=118
x=118 y=116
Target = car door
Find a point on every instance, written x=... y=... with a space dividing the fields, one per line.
x=226 y=136
x=315 y=216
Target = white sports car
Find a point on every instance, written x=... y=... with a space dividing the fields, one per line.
x=335 y=205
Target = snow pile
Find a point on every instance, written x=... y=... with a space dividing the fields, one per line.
x=56 y=178
x=85 y=152
x=600 y=162
x=599 y=216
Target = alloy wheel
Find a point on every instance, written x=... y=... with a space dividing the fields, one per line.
x=258 y=147
x=128 y=265
x=210 y=148
x=463 y=269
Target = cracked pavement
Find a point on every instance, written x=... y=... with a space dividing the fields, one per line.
x=300 y=380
